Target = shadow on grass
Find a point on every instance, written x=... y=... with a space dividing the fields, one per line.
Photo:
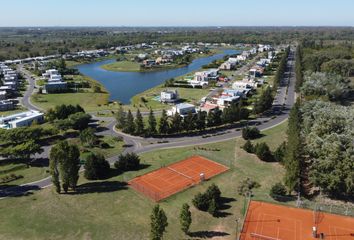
x=100 y=187
x=17 y=191
x=208 y=234
x=224 y=205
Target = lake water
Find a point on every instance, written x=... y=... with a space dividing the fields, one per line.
x=122 y=86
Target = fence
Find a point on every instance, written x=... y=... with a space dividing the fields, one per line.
x=345 y=209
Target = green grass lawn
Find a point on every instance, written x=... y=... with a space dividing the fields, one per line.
x=14 y=111
x=108 y=211
x=88 y=100
x=122 y=66
x=189 y=95
x=29 y=174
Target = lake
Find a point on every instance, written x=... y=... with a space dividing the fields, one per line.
x=122 y=86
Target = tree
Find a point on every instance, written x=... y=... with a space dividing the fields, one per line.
x=277 y=191
x=163 y=124
x=80 y=120
x=212 y=208
x=127 y=162
x=279 y=153
x=214 y=118
x=96 y=167
x=63 y=111
x=22 y=150
x=263 y=152
x=200 y=121
x=294 y=149
x=158 y=223
x=65 y=161
x=121 y=118
x=212 y=196
x=151 y=123
x=185 y=218
x=246 y=186
x=265 y=101
x=250 y=133
x=176 y=123
x=189 y=122
x=248 y=147
x=130 y=125
x=87 y=136
x=139 y=123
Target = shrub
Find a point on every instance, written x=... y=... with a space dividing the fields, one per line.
x=127 y=162
x=209 y=200
x=201 y=201
x=279 y=153
x=263 y=152
x=250 y=133
x=277 y=191
x=246 y=186
x=96 y=167
x=248 y=147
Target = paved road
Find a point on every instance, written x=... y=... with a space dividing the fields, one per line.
x=283 y=102
x=26 y=99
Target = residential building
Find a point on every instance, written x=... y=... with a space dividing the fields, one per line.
x=6 y=105
x=169 y=96
x=205 y=76
x=21 y=119
x=182 y=109
x=3 y=95
x=55 y=87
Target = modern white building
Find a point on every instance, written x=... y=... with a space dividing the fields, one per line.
x=182 y=109
x=50 y=72
x=169 y=96
x=21 y=119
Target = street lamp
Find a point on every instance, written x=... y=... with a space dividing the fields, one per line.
x=237 y=221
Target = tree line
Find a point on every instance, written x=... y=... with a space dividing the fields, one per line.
x=176 y=123
x=281 y=69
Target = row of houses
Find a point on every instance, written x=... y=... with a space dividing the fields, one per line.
x=55 y=81
x=8 y=87
x=31 y=59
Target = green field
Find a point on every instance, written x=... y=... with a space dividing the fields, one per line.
x=122 y=66
x=108 y=210
x=189 y=95
x=88 y=100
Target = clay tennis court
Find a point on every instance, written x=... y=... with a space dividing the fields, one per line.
x=267 y=221
x=176 y=177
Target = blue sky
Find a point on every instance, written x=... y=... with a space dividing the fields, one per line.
x=176 y=13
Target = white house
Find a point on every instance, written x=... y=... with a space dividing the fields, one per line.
x=182 y=109
x=169 y=96
x=50 y=72
x=21 y=119
x=241 y=85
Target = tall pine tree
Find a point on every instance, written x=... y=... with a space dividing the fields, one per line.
x=163 y=123
x=129 y=125
x=185 y=218
x=293 y=155
x=158 y=223
x=151 y=123
x=139 y=123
